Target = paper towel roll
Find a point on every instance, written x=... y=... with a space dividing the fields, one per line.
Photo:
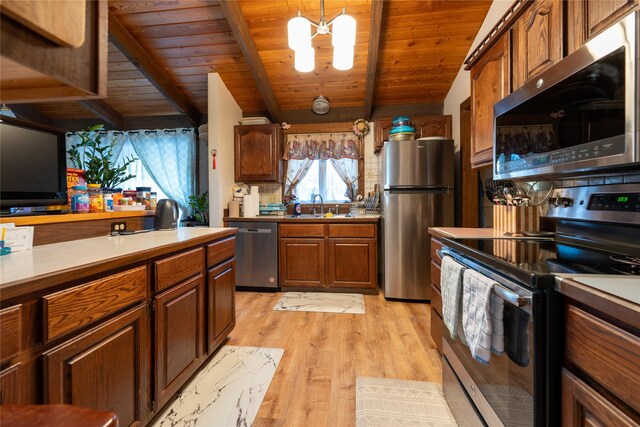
x=255 y=189
x=249 y=206
x=234 y=209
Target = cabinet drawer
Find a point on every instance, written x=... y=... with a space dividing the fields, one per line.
x=301 y=230
x=435 y=275
x=220 y=251
x=10 y=332
x=73 y=308
x=435 y=247
x=173 y=270
x=352 y=230
x=436 y=300
x=605 y=353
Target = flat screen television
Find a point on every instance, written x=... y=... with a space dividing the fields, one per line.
x=33 y=169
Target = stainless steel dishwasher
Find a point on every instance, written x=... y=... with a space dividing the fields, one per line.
x=256 y=254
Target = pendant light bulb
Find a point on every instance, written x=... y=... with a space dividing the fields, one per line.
x=304 y=59
x=299 y=32
x=343 y=57
x=344 y=31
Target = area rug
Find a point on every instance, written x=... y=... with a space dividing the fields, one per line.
x=391 y=402
x=227 y=392
x=321 y=302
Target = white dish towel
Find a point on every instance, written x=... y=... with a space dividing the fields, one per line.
x=451 y=287
x=478 y=302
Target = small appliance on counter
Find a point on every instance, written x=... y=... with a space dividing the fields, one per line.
x=166 y=215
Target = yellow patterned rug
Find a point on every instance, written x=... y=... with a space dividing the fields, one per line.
x=391 y=402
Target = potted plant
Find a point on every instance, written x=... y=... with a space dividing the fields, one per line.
x=199 y=205
x=96 y=159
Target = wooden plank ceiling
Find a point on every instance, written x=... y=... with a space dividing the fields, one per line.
x=421 y=47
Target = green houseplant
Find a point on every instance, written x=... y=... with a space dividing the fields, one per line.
x=96 y=159
x=199 y=205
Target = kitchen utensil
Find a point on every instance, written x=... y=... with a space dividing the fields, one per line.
x=166 y=215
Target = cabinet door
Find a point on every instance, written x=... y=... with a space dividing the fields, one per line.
x=583 y=406
x=179 y=336
x=10 y=384
x=433 y=126
x=106 y=368
x=586 y=18
x=489 y=84
x=221 y=302
x=258 y=153
x=352 y=263
x=302 y=262
x=381 y=129
x=537 y=40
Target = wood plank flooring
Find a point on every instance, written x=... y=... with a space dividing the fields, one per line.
x=325 y=352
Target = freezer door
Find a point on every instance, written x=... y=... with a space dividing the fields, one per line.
x=424 y=162
x=407 y=218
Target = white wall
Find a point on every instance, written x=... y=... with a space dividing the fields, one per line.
x=461 y=87
x=224 y=113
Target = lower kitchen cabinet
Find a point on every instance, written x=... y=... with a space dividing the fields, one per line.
x=179 y=336
x=221 y=307
x=302 y=262
x=106 y=368
x=9 y=384
x=352 y=263
x=437 y=324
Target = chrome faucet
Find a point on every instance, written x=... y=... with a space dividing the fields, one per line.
x=321 y=204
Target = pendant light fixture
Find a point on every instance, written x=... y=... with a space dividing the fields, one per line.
x=343 y=39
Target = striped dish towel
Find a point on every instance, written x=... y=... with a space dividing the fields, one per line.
x=477 y=322
x=451 y=287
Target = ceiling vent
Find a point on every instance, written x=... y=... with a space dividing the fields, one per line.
x=320 y=105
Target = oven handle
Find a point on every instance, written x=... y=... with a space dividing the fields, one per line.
x=503 y=292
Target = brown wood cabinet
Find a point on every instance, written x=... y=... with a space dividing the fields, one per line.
x=9 y=384
x=106 y=368
x=221 y=307
x=490 y=78
x=179 y=336
x=35 y=69
x=537 y=40
x=587 y=18
x=425 y=126
x=258 y=153
x=437 y=323
x=330 y=255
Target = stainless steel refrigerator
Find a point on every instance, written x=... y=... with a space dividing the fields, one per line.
x=418 y=193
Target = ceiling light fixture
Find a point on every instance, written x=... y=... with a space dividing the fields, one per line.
x=343 y=39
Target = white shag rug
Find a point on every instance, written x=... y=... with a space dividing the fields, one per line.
x=321 y=302
x=392 y=402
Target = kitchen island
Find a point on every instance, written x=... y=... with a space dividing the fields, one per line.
x=115 y=323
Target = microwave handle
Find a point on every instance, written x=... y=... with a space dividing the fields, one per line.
x=504 y=293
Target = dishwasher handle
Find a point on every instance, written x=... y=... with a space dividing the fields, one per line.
x=255 y=230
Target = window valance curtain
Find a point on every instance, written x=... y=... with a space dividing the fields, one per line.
x=323 y=146
x=169 y=155
x=342 y=149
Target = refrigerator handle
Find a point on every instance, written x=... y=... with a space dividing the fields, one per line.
x=413 y=189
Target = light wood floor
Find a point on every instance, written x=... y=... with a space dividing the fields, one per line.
x=325 y=352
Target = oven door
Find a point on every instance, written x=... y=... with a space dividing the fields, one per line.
x=509 y=391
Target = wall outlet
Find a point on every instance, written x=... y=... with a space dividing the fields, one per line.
x=116 y=227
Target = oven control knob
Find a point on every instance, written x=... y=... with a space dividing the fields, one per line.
x=565 y=202
x=554 y=201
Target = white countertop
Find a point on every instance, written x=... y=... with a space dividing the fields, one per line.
x=625 y=287
x=48 y=259
x=477 y=233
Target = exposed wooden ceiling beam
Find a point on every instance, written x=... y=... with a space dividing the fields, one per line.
x=105 y=112
x=28 y=112
x=231 y=10
x=372 y=57
x=139 y=57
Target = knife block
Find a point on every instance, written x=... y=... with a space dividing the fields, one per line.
x=516 y=219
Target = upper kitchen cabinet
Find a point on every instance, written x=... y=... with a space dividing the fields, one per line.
x=258 y=153
x=425 y=126
x=489 y=84
x=586 y=18
x=53 y=50
x=537 y=40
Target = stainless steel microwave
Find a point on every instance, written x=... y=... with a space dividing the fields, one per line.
x=580 y=116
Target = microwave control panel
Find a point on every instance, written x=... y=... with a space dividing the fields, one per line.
x=621 y=202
